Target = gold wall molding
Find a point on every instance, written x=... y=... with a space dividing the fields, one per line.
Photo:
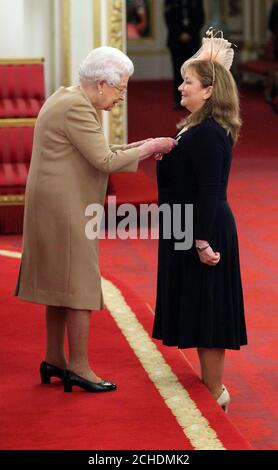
x=116 y=30
x=23 y=60
x=20 y=122
x=12 y=200
x=66 y=43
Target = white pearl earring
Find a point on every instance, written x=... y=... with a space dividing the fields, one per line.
x=100 y=92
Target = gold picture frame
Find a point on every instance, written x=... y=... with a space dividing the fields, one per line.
x=140 y=21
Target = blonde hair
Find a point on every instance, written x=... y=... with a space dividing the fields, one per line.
x=223 y=105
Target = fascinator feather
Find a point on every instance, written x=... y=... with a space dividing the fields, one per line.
x=214 y=49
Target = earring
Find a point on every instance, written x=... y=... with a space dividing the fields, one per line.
x=100 y=92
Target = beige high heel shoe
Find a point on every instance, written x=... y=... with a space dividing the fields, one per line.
x=224 y=399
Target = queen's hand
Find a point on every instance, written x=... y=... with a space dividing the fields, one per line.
x=155 y=146
x=138 y=143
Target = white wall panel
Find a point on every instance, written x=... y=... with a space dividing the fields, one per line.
x=11 y=28
x=81 y=32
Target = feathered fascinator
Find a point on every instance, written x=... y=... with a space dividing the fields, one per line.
x=214 y=49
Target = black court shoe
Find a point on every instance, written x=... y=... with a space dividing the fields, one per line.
x=70 y=379
x=48 y=370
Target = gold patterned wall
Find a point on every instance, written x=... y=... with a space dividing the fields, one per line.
x=116 y=32
x=66 y=43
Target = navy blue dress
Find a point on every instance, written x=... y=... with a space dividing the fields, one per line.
x=199 y=305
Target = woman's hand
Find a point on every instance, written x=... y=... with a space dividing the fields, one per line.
x=207 y=255
x=157 y=145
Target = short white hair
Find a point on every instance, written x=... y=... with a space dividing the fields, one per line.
x=105 y=64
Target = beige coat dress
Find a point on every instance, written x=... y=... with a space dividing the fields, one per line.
x=70 y=164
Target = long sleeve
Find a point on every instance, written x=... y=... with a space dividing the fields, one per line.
x=208 y=168
x=84 y=132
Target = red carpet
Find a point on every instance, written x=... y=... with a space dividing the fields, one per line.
x=38 y=417
x=43 y=417
x=35 y=416
x=251 y=374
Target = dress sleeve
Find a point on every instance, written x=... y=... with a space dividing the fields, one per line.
x=85 y=134
x=207 y=155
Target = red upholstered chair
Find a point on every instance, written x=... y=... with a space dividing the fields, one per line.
x=265 y=68
x=15 y=154
x=22 y=93
x=16 y=139
x=22 y=88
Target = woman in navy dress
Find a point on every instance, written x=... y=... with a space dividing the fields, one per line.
x=199 y=292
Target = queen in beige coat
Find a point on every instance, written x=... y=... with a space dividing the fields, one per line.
x=70 y=164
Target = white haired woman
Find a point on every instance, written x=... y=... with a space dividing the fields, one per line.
x=70 y=164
